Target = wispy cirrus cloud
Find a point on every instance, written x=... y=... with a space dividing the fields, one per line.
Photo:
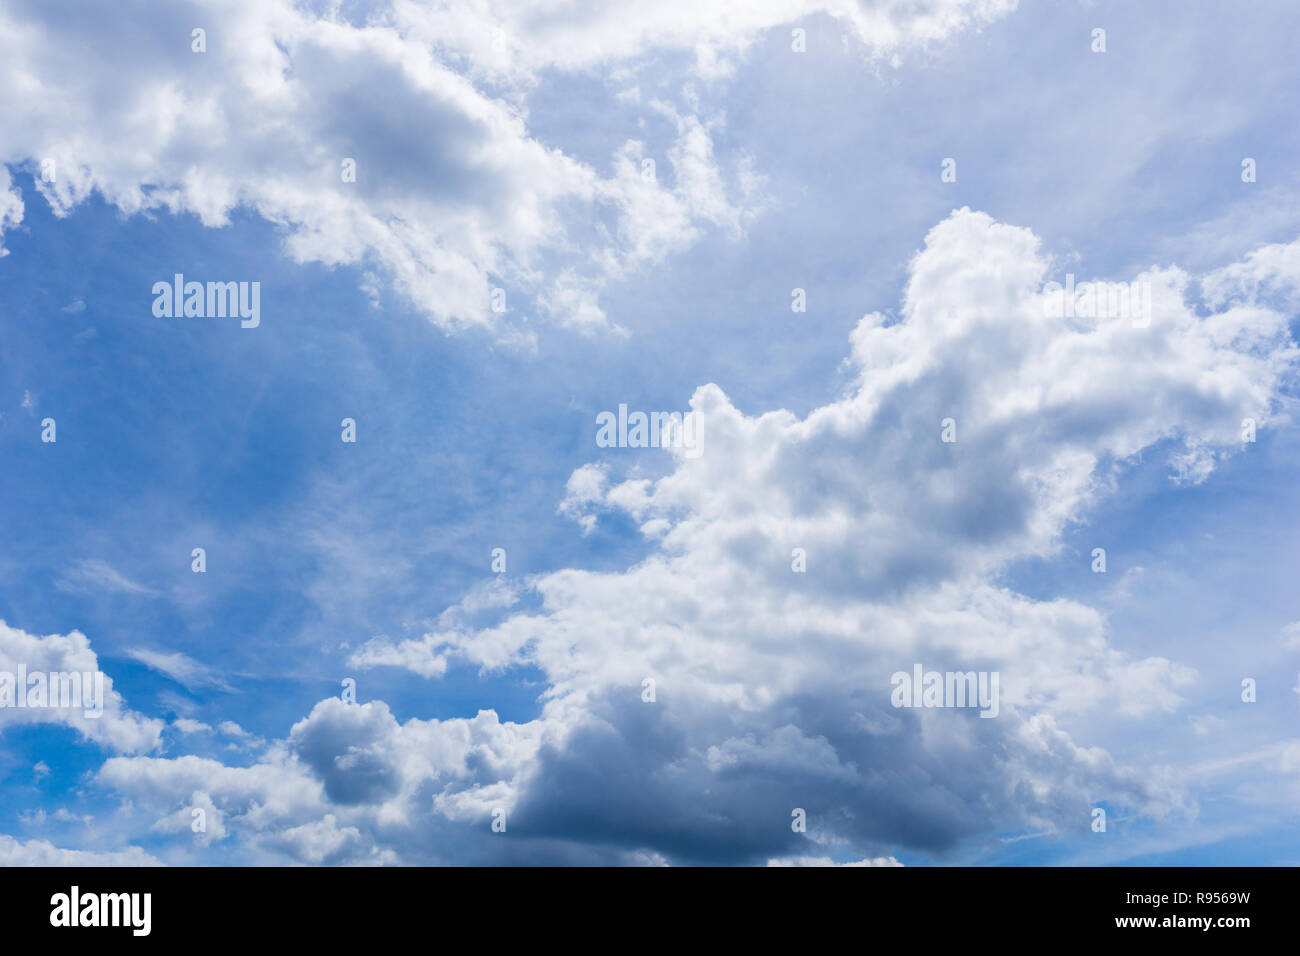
x=179 y=667
x=93 y=575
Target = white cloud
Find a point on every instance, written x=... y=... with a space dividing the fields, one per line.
x=505 y=38
x=179 y=667
x=210 y=828
x=118 y=727
x=453 y=193
x=586 y=488
x=1269 y=270
x=11 y=207
x=43 y=853
x=187 y=725
x=1204 y=725
x=414 y=656
x=94 y=575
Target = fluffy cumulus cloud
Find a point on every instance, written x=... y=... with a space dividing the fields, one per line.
x=453 y=195
x=73 y=691
x=771 y=686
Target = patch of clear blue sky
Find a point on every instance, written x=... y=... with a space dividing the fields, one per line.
x=178 y=433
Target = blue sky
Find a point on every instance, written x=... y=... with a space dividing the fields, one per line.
x=519 y=167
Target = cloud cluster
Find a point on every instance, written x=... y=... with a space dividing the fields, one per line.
x=694 y=701
x=400 y=143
